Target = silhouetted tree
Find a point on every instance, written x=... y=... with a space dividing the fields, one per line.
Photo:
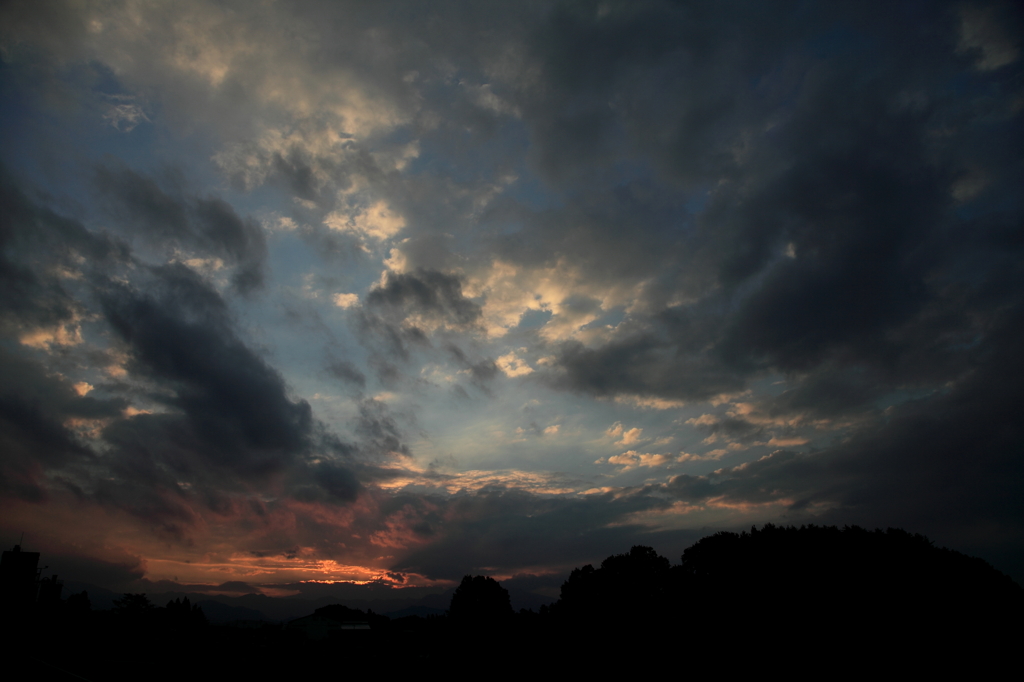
x=133 y=604
x=480 y=601
x=78 y=603
x=182 y=614
x=135 y=615
x=630 y=588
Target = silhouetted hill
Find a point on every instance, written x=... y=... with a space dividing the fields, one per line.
x=219 y=613
x=101 y=598
x=421 y=611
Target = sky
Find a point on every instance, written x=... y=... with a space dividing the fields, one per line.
x=397 y=292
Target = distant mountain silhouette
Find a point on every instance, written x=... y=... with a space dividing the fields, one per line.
x=420 y=611
x=218 y=612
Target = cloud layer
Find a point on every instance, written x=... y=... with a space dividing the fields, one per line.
x=329 y=290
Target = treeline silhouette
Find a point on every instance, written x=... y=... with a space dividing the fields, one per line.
x=803 y=579
x=812 y=587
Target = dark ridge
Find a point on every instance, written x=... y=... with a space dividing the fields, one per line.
x=823 y=598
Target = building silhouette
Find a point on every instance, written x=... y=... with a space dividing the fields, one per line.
x=20 y=585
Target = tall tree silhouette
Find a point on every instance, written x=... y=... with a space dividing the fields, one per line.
x=180 y=613
x=630 y=587
x=480 y=601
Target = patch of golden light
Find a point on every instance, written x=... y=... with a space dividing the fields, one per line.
x=717 y=511
x=204 y=266
x=572 y=297
x=751 y=413
x=632 y=459
x=197 y=51
x=655 y=518
x=67 y=273
x=746 y=506
x=116 y=369
x=210 y=43
x=398 y=482
x=252 y=162
x=131 y=411
x=788 y=442
x=396 y=262
x=625 y=436
x=42 y=338
x=399 y=528
x=512 y=365
x=243 y=567
x=724 y=398
x=377 y=221
x=755 y=415
x=86 y=428
x=345 y=300
x=703 y=420
x=540 y=483
x=649 y=402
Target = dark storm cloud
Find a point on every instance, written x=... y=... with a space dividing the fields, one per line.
x=732 y=428
x=118 y=573
x=834 y=233
x=655 y=78
x=235 y=405
x=297 y=175
x=34 y=243
x=849 y=239
x=347 y=372
x=331 y=482
x=512 y=529
x=827 y=394
x=481 y=371
x=389 y=344
x=230 y=423
x=392 y=320
x=170 y=219
x=433 y=295
x=949 y=464
x=37 y=247
x=667 y=356
x=34 y=407
x=224 y=420
x=855 y=219
x=379 y=430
